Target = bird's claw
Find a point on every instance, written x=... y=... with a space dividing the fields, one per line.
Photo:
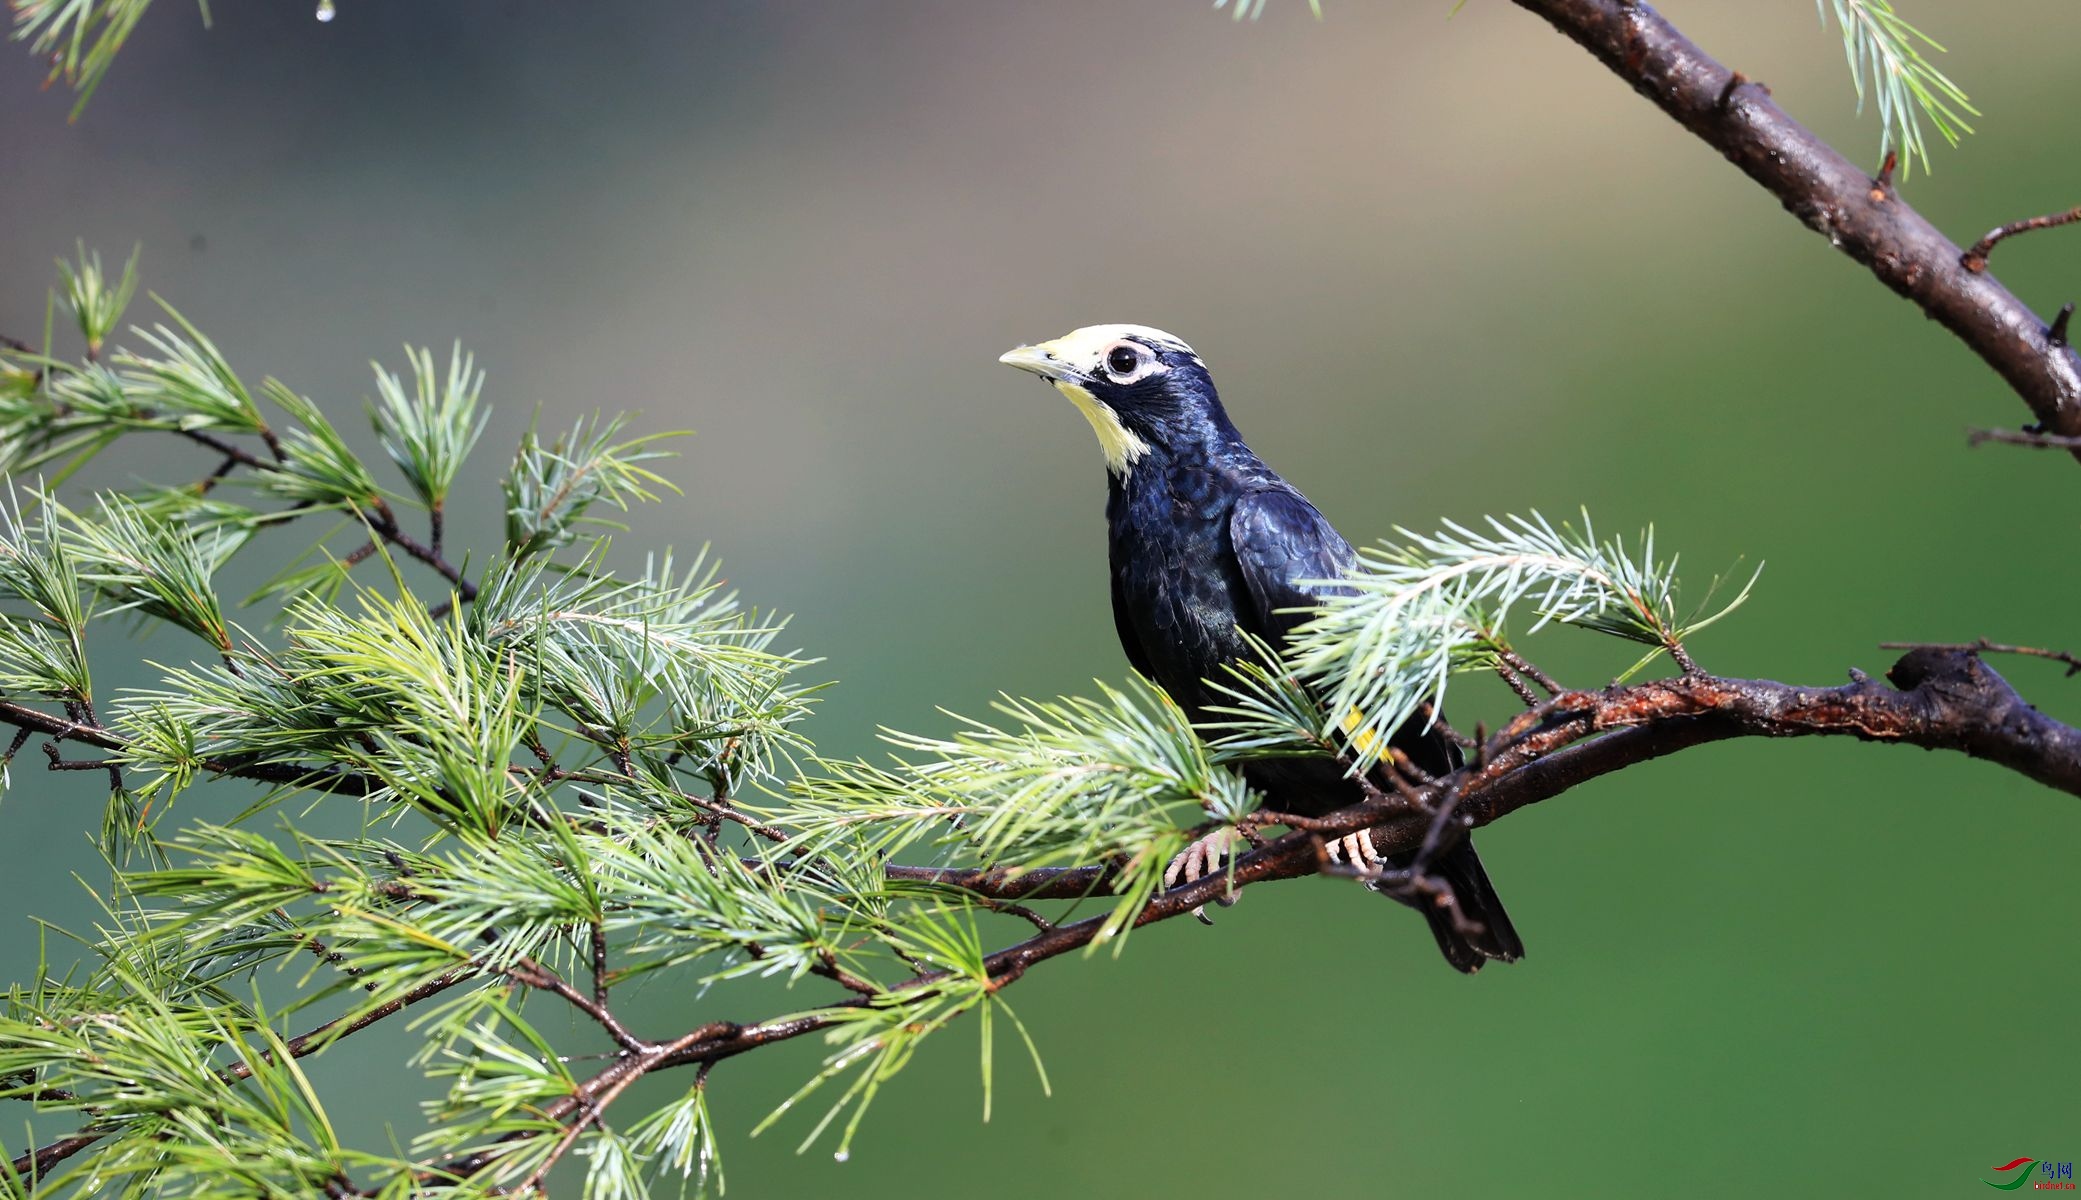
x=1202 y=858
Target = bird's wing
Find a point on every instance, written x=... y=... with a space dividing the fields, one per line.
x=1280 y=542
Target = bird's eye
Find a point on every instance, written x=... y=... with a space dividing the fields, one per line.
x=1123 y=359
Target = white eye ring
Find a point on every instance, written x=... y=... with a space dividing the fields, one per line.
x=1126 y=362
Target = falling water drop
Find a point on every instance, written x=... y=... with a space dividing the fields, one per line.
x=841 y=1156
x=326 y=12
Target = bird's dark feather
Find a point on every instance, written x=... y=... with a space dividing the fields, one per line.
x=1286 y=551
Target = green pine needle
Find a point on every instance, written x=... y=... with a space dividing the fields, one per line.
x=97 y=304
x=1886 y=57
x=429 y=432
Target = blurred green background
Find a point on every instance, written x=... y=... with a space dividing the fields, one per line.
x=1442 y=268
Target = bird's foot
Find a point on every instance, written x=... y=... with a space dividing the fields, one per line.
x=1203 y=858
x=1356 y=850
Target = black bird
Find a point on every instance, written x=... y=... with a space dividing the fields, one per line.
x=1207 y=544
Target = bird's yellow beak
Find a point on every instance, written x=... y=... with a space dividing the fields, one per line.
x=1044 y=361
x=1051 y=361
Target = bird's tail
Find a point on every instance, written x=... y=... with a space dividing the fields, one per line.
x=1475 y=898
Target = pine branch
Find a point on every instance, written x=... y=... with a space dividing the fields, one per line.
x=1943 y=699
x=312 y=778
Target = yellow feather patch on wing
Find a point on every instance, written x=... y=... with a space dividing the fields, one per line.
x=1122 y=445
x=1363 y=740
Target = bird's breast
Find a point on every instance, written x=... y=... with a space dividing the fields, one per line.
x=1178 y=589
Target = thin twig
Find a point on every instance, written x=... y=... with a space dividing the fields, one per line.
x=1975 y=257
x=599 y=965
x=215 y=477
x=1882 y=183
x=828 y=968
x=1526 y=667
x=232 y=452
x=1983 y=646
x=326 y=954
x=1267 y=816
x=1020 y=911
x=535 y=975
x=384 y=522
x=1518 y=685
x=60 y=763
x=2044 y=441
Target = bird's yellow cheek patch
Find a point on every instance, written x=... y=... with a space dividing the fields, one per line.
x=1122 y=445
